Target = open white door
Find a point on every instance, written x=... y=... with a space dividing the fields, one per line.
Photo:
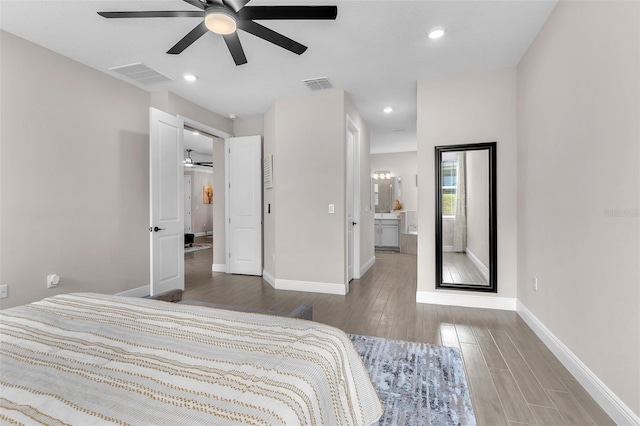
x=350 y=214
x=245 y=205
x=166 y=197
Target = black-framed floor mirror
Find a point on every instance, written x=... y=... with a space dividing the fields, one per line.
x=466 y=217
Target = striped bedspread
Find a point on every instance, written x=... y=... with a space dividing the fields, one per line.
x=85 y=359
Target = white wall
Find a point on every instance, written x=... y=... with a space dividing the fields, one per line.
x=404 y=164
x=479 y=107
x=79 y=205
x=579 y=162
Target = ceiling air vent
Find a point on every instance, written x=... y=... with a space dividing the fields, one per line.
x=320 y=83
x=141 y=73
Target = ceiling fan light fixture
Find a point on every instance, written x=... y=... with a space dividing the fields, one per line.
x=220 y=21
x=436 y=33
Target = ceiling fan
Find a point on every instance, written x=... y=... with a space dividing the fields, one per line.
x=188 y=161
x=224 y=17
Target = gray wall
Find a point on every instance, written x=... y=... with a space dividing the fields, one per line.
x=77 y=204
x=478 y=205
x=579 y=162
x=306 y=136
x=202 y=214
x=404 y=164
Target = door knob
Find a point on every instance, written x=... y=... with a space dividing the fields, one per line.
x=155 y=229
x=354 y=223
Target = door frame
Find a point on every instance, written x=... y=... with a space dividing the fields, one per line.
x=353 y=128
x=225 y=136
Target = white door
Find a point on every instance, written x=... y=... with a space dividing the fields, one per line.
x=166 y=198
x=350 y=215
x=245 y=205
x=187 y=204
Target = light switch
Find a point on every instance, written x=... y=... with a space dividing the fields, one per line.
x=332 y=208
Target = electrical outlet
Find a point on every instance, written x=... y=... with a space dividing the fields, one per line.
x=4 y=291
x=535 y=284
x=332 y=208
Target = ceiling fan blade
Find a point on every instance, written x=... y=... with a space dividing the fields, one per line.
x=236 y=5
x=154 y=14
x=196 y=3
x=214 y=2
x=272 y=36
x=187 y=40
x=288 y=12
x=235 y=48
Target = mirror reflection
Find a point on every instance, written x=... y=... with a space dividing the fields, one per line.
x=387 y=194
x=465 y=253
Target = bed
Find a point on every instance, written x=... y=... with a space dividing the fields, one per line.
x=86 y=358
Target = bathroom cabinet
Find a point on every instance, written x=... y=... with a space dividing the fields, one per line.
x=387 y=233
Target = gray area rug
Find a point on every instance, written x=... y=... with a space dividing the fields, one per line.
x=418 y=384
x=197 y=247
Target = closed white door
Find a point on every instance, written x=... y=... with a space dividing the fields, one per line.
x=187 y=204
x=166 y=188
x=245 y=205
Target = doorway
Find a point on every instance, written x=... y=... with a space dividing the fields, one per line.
x=204 y=203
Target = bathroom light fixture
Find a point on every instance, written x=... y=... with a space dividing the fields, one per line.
x=382 y=175
x=220 y=21
x=436 y=33
x=188 y=161
x=388 y=110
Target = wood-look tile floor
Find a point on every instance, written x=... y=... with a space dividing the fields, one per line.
x=513 y=377
x=459 y=268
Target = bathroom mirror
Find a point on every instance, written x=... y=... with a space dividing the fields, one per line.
x=386 y=191
x=466 y=221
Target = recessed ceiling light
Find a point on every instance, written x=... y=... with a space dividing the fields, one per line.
x=232 y=116
x=190 y=78
x=388 y=110
x=436 y=33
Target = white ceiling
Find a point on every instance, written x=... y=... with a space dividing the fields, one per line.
x=375 y=51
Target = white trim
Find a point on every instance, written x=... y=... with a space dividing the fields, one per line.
x=447 y=249
x=364 y=268
x=227 y=211
x=355 y=173
x=310 y=286
x=269 y=278
x=136 y=292
x=483 y=269
x=467 y=300
x=200 y=234
x=219 y=267
x=605 y=397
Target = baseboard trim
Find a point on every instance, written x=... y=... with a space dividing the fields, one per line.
x=483 y=269
x=365 y=268
x=143 y=291
x=447 y=248
x=467 y=300
x=219 y=267
x=608 y=400
x=310 y=286
x=269 y=278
